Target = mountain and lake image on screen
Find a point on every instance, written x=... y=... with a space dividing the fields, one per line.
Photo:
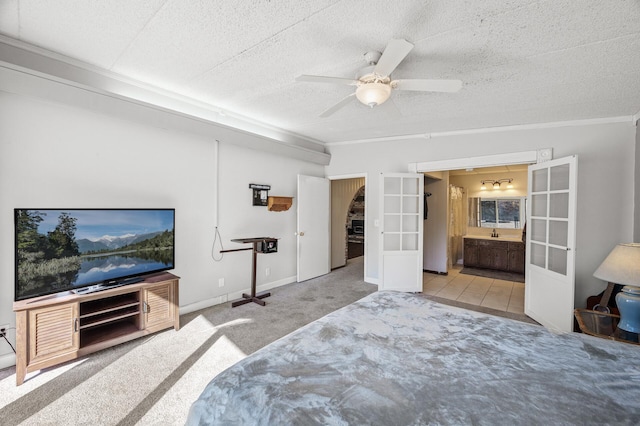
x=61 y=250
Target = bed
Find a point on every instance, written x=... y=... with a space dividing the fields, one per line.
x=401 y=359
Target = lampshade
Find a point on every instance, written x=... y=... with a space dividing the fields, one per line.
x=622 y=266
x=373 y=94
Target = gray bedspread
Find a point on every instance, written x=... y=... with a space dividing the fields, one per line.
x=401 y=359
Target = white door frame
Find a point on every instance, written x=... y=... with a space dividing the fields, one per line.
x=366 y=215
x=522 y=157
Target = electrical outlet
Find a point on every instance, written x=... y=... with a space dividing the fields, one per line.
x=3 y=330
x=267 y=271
x=220 y=282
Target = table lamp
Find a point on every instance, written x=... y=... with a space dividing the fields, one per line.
x=622 y=266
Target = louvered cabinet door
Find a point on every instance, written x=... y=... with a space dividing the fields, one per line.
x=53 y=334
x=160 y=306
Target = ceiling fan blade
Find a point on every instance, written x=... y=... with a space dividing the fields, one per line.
x=337 y=106
x=324 y=79
x=428 y=85
x=393 y=54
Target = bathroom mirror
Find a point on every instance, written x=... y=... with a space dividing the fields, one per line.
x=497 y=212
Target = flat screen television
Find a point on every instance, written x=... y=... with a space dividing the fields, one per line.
x=84 y=250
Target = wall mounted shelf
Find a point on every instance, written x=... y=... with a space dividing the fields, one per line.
x=279 y=204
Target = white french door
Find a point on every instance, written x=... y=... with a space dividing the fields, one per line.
x=401 y=196
x=313 y=235
x=551 y=236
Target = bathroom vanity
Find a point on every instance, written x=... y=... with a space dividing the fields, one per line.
x=501 y=253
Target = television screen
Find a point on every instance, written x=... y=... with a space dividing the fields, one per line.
x=61 y=250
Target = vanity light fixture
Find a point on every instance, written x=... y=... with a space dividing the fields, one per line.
x=496 y=183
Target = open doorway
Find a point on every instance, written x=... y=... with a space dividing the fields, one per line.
x=348 y=229
x=482 y=252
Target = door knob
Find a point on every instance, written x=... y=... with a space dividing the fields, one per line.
x=301 y=234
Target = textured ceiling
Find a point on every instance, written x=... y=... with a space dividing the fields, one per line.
x=521 y=61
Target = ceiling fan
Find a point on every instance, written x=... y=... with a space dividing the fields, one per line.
x=374 y=84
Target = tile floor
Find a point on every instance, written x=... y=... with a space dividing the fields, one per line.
x=502 y=295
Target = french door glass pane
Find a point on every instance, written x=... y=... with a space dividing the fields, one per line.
x=558 y=232
x=538 y=255
x=392 y=204
x=410 y=223
x=539 y=180
x=392 y=222
x=410 y=242
x=539 y=205
x=539 y=230
x=410 y=204
x=410 y=186
x=559 y=205
x=558 y=260
x=392 y=185
x=560 y=177
x=401 y=208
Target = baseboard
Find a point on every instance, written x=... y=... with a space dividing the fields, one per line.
x=203 y=304
x=435 y=272
x=7 y=361
x=263 y=287
x=372 y=280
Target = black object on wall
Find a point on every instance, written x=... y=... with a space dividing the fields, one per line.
x=260 y=194
x=426 y=205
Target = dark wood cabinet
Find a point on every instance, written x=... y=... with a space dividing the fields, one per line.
x=500 y=258
x=485 y=256
x=516 y=257
x=494 y=254
x=470 y=254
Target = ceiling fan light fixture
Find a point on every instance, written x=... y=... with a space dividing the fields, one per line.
x=373 y=94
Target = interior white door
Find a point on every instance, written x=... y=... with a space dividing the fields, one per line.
x=313 y=235
x=402 y=196
x=551 y=236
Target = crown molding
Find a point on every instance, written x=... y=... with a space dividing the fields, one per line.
x=518 y=127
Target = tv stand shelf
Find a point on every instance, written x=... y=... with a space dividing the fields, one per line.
x=54 y=329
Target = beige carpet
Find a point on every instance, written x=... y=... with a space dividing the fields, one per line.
x=154 y=380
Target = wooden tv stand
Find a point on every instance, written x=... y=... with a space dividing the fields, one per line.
x=54 y=329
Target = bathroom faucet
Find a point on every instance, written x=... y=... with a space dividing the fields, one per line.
x=494 y=234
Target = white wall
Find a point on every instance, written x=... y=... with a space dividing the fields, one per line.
x=57 y=156
x=435 y=230
x=605 y=180
x=636 y=227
